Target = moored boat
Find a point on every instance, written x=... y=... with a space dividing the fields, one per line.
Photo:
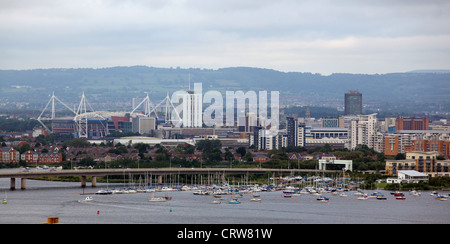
x=255 y=200
x=103 y=192
x=234 y=201
x=363 y=197
x=157 y=199
x=323 y=199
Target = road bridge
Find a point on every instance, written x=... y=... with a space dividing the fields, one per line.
x=94 y=173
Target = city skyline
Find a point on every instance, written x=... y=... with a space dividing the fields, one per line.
x=291 y=36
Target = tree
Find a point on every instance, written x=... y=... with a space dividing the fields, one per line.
x=25 y=147
x=241 y=150
x=228 y=154
x=211 y=150
x=248 y=157
x=400 y=156
x=79 y=142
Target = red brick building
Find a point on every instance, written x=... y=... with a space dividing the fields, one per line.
x=30 y=157
x=391 y=145
x=50 y=158
x=9 y=155
x=412 y=123
x=442 y=147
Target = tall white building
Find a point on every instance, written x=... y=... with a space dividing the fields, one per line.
x=192 y=108
x=264 y=140
x=363 y=131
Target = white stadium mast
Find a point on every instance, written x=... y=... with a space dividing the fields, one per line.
x=52 y=101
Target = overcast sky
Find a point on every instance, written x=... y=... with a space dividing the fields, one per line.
x=316 y=36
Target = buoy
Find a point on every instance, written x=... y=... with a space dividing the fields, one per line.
x=52 y=220
x=98 y=211
x=171 y=210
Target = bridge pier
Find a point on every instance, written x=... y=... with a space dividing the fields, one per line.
x=12 y=185
x=160 y=179
x=83 y=181
x=23 y=184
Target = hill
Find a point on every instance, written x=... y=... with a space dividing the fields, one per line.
x=114 y=88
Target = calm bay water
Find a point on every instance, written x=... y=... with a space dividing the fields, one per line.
x=62 y=199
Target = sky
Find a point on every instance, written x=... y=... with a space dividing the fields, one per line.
x=317 y=36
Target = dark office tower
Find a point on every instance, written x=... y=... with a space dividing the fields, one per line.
x=291 y=124
x=353 y=103
x=295 y=132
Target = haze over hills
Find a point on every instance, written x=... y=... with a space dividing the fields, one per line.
x=114 y=88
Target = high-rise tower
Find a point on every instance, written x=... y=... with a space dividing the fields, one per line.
x=353 y=103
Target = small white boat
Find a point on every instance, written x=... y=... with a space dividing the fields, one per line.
x=215 y=202
x=87 y=199
x=255 y=200
x=363 y=197
x=157 y=199
x=104 y=192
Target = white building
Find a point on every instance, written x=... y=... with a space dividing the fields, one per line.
x=408 y=176
x=192 y=109
x=265 y=140
x=363 y=131
x=347 y=163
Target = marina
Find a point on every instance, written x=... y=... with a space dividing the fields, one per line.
x=219 y=204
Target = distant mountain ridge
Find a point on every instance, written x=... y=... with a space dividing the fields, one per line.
x=115 y=85
x=430 y=71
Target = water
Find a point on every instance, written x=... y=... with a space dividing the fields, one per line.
x=62 y=199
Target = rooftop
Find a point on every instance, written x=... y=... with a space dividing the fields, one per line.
x=412 y=173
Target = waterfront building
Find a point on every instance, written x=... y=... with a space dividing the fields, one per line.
x=9 y=155
x=348 y=164
x=353 y=103
x=50 y=158
x=30 y=157
x=440 y=146
x=424 y=162
x=417 y=140
x=408 y=176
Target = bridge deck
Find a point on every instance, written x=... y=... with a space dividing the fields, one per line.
x=163 y=171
